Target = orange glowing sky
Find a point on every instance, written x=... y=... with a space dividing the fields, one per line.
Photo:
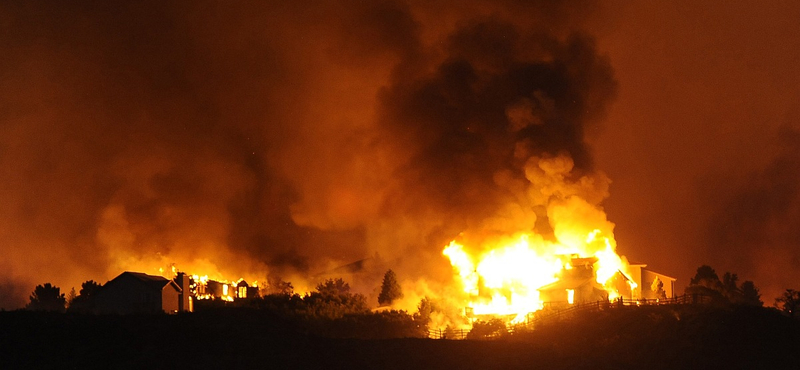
x=273 y=137
x=702 y=139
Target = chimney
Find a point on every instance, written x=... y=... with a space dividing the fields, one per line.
x=185 y=298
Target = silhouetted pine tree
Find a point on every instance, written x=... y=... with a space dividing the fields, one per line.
x=47 y=298
x=750 y=294
x=390 y=289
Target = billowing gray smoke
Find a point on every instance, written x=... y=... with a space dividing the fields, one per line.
x=274 y=137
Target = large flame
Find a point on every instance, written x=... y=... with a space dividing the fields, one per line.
x=506 y=275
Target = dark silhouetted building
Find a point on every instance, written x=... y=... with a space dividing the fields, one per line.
x=135 y=292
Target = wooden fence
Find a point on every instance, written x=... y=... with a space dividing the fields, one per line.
x=448 y=333
x=553 y=313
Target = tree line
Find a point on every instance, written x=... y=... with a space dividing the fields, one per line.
x=47 y=297
x=333 y=309
x=728 y=291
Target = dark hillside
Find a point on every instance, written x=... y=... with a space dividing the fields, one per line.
x=626 y=338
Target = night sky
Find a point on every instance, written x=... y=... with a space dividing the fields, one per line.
x=287 y=138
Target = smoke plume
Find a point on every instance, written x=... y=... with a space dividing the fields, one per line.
x=274 y=138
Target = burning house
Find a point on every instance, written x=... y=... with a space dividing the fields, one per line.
x=577 y=283
x=135 y=292
x=205 y=288
x=217 y=289
x=244 y=290
x=512 y=277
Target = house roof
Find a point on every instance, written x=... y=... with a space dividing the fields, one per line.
x=660 y=275
x=152 y=281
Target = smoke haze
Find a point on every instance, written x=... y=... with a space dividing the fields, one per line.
x=275 y=138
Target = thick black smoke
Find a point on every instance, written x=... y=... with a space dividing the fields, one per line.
x=273 y=137
x=497 y=97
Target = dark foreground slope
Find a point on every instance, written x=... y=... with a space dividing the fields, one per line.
x=624 y=338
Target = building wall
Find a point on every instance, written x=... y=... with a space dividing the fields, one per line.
x=636 y=275
x=127 y=294
x=170 y=299
x=553 y=295
x=647 y=281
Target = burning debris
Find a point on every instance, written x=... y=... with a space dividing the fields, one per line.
x=205 y=288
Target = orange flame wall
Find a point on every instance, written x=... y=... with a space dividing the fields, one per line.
x=501 y=272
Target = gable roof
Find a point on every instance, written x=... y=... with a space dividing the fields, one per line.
x=151 y=281
x=660 y=275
